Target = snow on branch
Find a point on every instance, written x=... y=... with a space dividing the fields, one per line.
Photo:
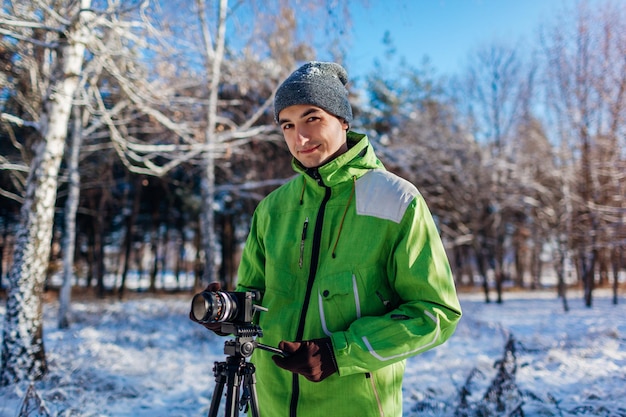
x=18 y=121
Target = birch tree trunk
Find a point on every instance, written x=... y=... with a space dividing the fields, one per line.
x=23 y=353
x=213 y=57
x=71 y=206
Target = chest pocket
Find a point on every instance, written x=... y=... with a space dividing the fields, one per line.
x=338 y=302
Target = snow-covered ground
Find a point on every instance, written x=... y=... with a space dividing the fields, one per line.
x=143 y=357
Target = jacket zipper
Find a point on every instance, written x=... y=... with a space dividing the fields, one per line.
x=370 y=376
x=315 y=254
x=304 y=229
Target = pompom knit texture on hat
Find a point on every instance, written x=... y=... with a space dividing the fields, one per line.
x=321 y=84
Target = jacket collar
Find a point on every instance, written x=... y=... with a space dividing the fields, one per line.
x=356 y=161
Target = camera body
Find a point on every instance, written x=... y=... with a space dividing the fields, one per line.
x=235 y=307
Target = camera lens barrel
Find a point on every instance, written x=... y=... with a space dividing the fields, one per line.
x=214 y=307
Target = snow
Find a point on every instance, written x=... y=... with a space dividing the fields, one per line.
x=144 y=357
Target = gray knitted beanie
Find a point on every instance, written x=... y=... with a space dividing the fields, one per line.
x=321 y=84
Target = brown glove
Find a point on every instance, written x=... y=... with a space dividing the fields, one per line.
x=313 y=359
x=214 y=327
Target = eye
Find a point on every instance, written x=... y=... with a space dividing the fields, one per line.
x=287 y=126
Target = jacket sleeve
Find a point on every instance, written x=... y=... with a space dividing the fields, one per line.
x=251 y=272
x=428 y=310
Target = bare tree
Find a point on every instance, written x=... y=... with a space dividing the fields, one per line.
x=495 y=85
x=53 y=38
x=496 y=88
x=23 y=354
x=586 y=92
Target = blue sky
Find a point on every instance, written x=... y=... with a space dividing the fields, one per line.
x=444 y=30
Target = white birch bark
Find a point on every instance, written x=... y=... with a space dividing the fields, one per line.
x=213 y=55
x=23 y=353
x=71 y=206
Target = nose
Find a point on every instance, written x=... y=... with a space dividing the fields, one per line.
x=302 y=136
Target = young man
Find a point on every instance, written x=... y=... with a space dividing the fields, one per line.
x=349 y=263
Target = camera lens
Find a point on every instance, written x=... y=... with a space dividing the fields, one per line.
x=212 y=307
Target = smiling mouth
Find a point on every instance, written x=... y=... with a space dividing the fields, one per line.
x=309 y=150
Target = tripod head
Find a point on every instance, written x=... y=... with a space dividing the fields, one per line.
x=245 y=342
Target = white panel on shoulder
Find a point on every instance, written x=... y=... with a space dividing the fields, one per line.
x=384 y=195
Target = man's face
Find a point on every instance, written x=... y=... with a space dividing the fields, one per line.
x=313 y=135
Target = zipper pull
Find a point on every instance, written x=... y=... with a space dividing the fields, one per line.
x=306 y=225
x=386 y=303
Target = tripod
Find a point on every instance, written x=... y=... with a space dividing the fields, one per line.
x=236 y=370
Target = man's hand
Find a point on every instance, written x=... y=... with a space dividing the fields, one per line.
x=313 y=359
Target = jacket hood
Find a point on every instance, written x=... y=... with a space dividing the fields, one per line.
x=356 y=161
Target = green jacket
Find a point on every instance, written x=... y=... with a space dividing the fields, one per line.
x=353 y=255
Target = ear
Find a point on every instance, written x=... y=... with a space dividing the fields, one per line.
x=345 y=125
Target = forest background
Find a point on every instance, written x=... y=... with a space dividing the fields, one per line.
x=136 y=138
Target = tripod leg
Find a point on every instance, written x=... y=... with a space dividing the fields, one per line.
x=220 y=379
x=249 y=381
x=232 y=390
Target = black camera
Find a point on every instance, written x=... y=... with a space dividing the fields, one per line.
x=225 y=307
